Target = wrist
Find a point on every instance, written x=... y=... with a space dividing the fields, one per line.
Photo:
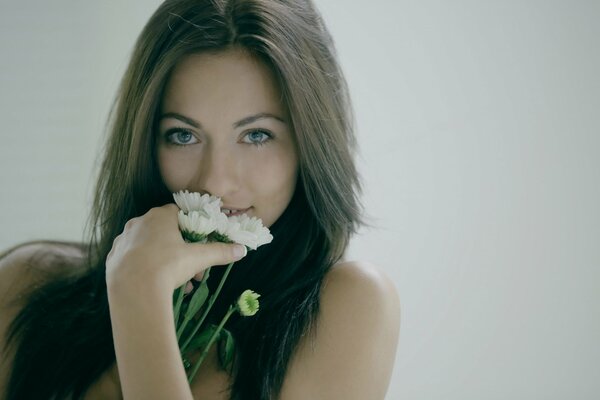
x=147 y=353
x=138 y=293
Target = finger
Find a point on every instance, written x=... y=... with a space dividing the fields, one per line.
x=209 y=254
x=188 y=287
x=130 y=223
x=171 y=207
x=171 y=210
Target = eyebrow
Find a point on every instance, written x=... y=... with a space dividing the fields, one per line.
x=241 y=122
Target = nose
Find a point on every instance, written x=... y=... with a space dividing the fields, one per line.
x=217 y=172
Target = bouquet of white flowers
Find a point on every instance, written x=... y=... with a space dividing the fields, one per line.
x=201 y=220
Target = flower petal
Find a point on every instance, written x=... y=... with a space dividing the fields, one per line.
x=248 y=303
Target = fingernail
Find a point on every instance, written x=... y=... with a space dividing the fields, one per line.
x=239 y=251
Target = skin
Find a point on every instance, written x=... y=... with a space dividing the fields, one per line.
x=350 y=357
x=250 y=166
x=351 y=354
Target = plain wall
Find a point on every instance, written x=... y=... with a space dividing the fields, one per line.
x=479 y=129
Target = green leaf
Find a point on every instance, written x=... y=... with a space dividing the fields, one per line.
x=201 y=339
x=184 y=308
x=226 y=348
x=197 y=300
x=206 y=275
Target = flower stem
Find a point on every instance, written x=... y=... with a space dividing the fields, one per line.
x=210 y=343
x=179 y=294
x=211 y=301
x=188 y=319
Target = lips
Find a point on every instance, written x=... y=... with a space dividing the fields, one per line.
x=234 y=211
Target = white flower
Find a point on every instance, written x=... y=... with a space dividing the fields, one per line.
x=248 y=303
x=245 y=230
x=222 y=222
x=196 y=225
x=195 y=202
x=201 y=215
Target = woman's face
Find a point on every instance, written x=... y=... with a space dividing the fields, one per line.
x=223 y=131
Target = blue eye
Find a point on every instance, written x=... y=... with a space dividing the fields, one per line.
x=179 y=137
x=258 y=137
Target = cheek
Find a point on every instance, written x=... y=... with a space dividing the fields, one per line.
x=172 y=170
x=273 y=175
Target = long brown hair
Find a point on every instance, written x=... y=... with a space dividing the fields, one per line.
x=290 y=37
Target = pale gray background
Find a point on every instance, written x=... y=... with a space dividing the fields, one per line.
x=480 y=134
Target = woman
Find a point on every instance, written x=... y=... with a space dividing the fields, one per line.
x=243 y=100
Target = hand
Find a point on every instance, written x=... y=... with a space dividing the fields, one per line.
x=151 y=254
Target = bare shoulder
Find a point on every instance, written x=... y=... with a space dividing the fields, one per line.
x=352 y=352
x=31 y=263
x=22 y=268
x=350 y=276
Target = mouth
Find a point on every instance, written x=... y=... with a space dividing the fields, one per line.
x=234 y=211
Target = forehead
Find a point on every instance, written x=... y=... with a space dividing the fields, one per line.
x=232 y=78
